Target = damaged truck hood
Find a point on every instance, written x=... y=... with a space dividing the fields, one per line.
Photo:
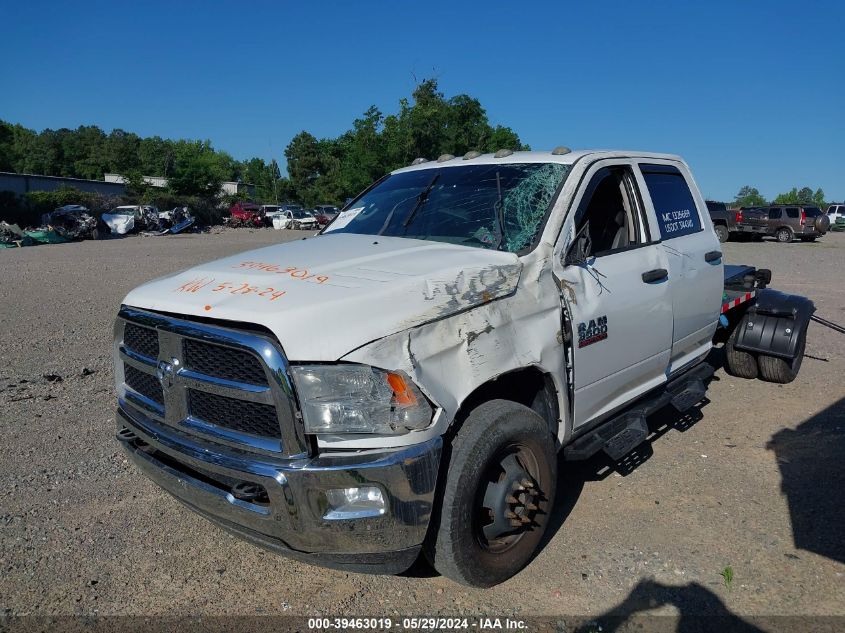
x=326 y=296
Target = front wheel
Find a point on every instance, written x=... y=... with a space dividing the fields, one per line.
x=497 y=497
x=721 y=232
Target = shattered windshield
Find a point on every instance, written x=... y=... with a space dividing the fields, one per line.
x=499 y=206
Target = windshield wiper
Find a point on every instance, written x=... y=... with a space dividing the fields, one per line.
x=420 y=202
x=420 y=198
x=499 y=209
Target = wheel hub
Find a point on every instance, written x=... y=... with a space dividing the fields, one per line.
x=508 y=504
x=521 y=503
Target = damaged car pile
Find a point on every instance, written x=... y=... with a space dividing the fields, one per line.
x=147 y=220
x=76 y=222
x=70 y=222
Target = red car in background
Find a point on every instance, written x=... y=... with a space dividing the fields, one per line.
x=325 y=213
x=246 y=213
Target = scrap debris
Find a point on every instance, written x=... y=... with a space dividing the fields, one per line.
x=72 y=222
x=76 y=222
x=147 y=220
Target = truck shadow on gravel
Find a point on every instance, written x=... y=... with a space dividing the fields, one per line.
x=698 y=609
x=810 y=458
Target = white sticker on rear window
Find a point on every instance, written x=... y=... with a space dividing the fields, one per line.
x=344 y=218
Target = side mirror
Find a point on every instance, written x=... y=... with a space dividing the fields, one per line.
x=581 y=246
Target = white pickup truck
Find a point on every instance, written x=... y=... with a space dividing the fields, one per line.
x=491 y=311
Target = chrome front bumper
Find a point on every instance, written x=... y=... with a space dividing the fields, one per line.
x=290 y=516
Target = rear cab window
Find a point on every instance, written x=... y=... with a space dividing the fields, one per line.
x=677 y=213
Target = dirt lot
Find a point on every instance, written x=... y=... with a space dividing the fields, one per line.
x=753 y=481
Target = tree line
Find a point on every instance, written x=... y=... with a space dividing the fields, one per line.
x=751 y=197
x=327 y=170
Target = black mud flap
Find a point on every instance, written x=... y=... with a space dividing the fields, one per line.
x=775 y=325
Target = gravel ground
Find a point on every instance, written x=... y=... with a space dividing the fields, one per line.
x=753 y=479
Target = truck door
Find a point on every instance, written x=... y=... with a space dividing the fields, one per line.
x=696 y=279
x=614 y=282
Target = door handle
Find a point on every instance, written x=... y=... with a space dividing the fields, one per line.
x=658 y=274
x=712 y=256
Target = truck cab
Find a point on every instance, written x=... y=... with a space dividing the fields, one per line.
x=495 y=309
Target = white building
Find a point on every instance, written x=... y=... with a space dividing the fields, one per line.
x=226 y=188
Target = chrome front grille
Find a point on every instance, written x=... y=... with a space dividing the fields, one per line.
x=145 y=384
x=142 y=340
x=230 y=386
x=224 y=362
x=248 y=417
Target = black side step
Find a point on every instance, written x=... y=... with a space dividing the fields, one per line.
x=619 y=435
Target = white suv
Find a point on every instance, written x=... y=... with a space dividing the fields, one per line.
x=836 y=212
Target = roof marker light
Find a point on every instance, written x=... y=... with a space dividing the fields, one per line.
x=471 y=154
x=418 y=161
x=560 y=150
x=444 y=157
x=502 y=153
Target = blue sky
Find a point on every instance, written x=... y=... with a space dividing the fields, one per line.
x=748 y=92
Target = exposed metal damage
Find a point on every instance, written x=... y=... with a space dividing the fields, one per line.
x=454 y=355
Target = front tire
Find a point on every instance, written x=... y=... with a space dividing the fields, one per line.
x=497 y=497
x=721 y=232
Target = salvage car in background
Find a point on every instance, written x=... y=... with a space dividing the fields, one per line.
x=127 y=218
x=325 y=213
x=245 y=214
x=73 y=222
x=296 y=219
x=268 y=212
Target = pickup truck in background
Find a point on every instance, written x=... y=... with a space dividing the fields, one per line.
x=724 y=220
x=497 y=309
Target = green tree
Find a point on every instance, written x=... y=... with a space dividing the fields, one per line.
x=803 y=196
x=7 y=141
x=196 y=170
x=749 y=197
x=304 y=166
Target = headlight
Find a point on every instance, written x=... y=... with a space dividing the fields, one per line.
x=359 y=399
